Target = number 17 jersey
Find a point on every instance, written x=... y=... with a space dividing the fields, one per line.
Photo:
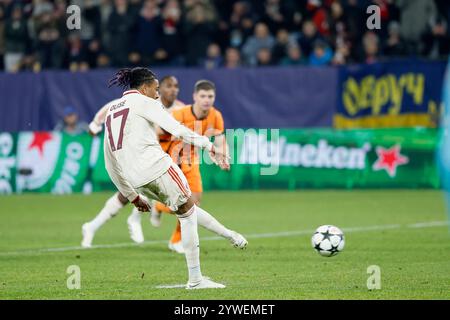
x=133 y=155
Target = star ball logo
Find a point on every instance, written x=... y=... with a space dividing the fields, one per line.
x=389 y=160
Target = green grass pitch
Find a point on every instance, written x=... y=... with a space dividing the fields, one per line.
x=404 y=232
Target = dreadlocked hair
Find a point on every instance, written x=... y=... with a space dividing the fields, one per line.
x=132 y=78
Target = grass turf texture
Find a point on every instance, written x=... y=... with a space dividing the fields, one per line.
x=414 y=262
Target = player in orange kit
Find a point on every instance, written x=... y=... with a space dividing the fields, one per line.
x=203 y=118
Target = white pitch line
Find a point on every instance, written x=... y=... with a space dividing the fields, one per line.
x=429 y=224
x=171 y=286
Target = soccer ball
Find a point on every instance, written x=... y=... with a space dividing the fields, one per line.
x=328 y=240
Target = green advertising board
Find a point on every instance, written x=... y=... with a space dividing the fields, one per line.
x=261 y=159
x=395 y=158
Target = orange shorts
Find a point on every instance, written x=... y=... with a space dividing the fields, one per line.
x=193 y=176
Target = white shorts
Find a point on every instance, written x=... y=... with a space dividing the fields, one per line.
x=171 y=188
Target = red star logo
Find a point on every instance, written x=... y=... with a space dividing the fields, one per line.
x=39 y=139
x=389 y=159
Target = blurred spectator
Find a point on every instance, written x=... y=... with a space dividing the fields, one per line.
x=91 y=20
x=414 y=18
x=436 y=40
x=294 y=56
x=29 y=63
x=199 y=28
x=388 y=13
x=321 y=55
x=91 y=31
x=70 y=123
x=232 y=58
x=308 y=37
x=115 y=33
x=16 y=39
x=241 y=24
x=148 y=32
x=355 y=20
x=338 y=25
x=279 y=50
x=264 y=57
x=342 y=54
x=371 y=47
x=105 y=9
x=50 y=44
x=282 y=14
x=319 y=16
x=261 y=39
x=171 y=39
x=76 y=53
x=103 y=61
x=273 y=16
x=395 y=46
x=121 y=25
x=213 y=58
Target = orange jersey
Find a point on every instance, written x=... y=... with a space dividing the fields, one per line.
x=165 y=139
x=210 y=126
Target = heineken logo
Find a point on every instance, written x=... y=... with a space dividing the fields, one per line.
x=257 y=150
x=389 y=160
x=39 y=141
x=71 y=168
x=37 y=156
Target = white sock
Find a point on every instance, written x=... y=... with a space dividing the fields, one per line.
x=112 y=206
x=210 y=223
x=135 y=215
x=189 y=238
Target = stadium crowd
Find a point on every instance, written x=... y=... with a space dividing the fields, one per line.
x=217 y=33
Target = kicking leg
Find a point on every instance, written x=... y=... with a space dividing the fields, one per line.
x=177 y=196
x=175 y=243
x=210 y=223
x=189 y=234
x=112 y=206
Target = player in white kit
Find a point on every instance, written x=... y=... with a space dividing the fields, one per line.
x=137 y=164
x=169 y=94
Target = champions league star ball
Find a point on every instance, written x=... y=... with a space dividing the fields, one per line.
x=328 y=240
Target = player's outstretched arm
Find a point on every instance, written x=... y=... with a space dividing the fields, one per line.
x=156 y=114
x=222 y=152
x=96 y=125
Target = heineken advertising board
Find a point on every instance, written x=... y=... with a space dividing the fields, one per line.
x=261 y=159
x=396 y=158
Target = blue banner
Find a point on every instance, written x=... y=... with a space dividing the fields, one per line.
x=258 y=98
x=390 y=94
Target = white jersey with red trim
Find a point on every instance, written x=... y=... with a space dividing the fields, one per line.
x=133 y=155
x=96 y=124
